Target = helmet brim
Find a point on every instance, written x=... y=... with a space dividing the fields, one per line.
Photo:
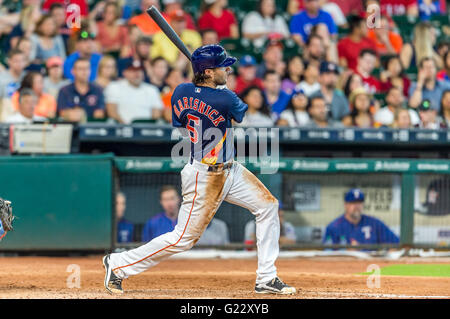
x=228 y=61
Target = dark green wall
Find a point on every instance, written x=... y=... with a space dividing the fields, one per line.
x=62 y=202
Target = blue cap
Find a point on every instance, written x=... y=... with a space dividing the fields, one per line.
x=328 y=67
x=298 y=90
x=210 y=57
x=354 y=195
x=247 y=60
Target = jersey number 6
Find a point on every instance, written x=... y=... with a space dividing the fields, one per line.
x=194 y=135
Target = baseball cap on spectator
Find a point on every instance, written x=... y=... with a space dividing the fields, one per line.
x=354 y=195
x=166 y=2
x=133 y=65
x=210 y=1
x=356 y=92
x=54 y=61
x=297 y=91
x=247 y=60
x=425 y=106
x=328 y=67
x=274 y=41
x=177 y=15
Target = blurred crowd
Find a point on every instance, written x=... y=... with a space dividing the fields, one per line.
x=353 y=65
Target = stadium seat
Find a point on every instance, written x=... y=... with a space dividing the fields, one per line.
x=143 y=121
x=381 y=97
x=342 y=32
x=237 y=47
x=245 y=6
x=405 y=26
x=440 y=20
x=95 y=120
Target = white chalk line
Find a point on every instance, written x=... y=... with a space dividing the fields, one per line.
x=337 y=294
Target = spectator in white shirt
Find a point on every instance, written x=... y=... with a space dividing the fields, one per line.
x=295 y=114
x=25 y=114
x=132 y=99
x=257 y=25
x=394 y=101
x=310 y=83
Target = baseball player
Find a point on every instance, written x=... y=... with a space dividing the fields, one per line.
x=210 y=177
x=6 y=217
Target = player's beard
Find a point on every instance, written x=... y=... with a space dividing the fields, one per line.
x=220 y=80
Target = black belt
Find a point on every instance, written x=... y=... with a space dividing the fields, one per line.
x=216 y=167
x=219 y=167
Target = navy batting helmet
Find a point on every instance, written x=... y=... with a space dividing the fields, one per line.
x=209 y=57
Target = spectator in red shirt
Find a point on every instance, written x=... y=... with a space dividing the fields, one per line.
x=399 y=7
x=393 y=75
x=348 y=7
x=112 y=37
x=350 y=47
x=175 y=5
x=366 y=64
x=215 y=16
x=247 y=74
x=82 y=4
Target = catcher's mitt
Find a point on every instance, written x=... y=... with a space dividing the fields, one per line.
x=6 y=215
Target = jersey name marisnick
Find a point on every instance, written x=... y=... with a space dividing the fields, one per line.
x=199 y=106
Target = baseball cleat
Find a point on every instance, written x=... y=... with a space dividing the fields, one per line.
x=113 y=284
x=275 y=286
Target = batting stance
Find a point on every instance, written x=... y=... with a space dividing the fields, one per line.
x=210 y=177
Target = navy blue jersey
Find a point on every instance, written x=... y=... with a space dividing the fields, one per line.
x=369 y=230
x=207 y=113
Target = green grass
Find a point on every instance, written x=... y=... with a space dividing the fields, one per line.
x=427 y=270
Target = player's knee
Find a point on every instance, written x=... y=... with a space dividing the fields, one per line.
x=272 y=206
x=188 y=241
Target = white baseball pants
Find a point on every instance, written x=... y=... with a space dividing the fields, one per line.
x=203 y=193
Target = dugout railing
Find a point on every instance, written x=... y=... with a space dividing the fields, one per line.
x=411 y=197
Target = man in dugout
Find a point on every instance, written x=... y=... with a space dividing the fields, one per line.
x=355 y=228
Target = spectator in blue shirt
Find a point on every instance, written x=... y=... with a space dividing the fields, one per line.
x=85 y=49
x=355 y=228
x=429 y=8
x=427 y=86
x=81 y=100
x=302 y=23
x=276 y=98
x=125 y=229
x=163 y=222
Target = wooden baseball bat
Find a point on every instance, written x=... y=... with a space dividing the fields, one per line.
x=154 y=13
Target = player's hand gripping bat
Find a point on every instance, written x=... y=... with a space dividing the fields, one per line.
x=154 y=13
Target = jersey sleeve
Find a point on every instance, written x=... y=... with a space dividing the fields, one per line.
x=176 y=122
x=385 y=235
x=331 y=236
x=237 y=108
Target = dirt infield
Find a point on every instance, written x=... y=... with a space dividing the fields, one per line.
x=46 y=277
